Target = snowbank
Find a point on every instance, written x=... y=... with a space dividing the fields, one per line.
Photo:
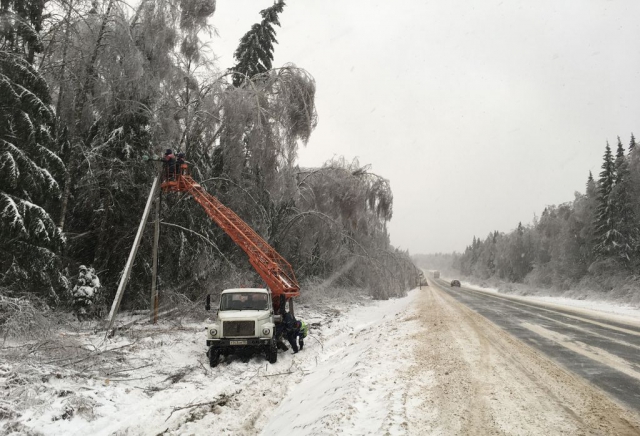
x=351 y=390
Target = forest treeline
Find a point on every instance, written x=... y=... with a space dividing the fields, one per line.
x=89 y=88
x=592 y=242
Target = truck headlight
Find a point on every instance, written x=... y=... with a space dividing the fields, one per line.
x=266 y=331
x=213 y=332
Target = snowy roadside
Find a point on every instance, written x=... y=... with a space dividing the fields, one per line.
x=156 y=380
x=356 y=388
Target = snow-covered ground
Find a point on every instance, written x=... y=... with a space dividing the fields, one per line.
x=154 y=380
x=354 y=390
x=422 y=364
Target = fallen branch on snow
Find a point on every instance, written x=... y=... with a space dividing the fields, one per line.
x=321 y=345
x=221 y=401
x=128 y=369
x=293 y=362
x=88 y=355
x=128 y=379
x=279 y=373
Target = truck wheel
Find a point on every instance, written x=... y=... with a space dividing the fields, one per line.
x=272 y=352
x=214 y=357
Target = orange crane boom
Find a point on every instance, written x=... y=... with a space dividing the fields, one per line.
x=268 y=263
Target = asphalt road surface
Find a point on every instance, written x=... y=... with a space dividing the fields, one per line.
x=602 y=349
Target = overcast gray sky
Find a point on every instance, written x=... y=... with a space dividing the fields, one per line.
x=480 y=113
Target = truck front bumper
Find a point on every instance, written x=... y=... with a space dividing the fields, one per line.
x=240 y=342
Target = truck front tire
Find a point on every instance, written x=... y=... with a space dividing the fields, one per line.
x=214 y=357
x=272 y=352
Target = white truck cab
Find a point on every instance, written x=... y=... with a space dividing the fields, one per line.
x=245 y=322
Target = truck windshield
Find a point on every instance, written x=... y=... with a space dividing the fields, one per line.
x=244 y=301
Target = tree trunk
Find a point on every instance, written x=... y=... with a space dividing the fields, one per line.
x=65 y=48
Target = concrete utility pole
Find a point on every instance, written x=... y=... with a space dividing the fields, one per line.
x=132 y=255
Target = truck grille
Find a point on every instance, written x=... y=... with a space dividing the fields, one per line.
x=238 y=328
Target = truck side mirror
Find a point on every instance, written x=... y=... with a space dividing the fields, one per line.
x=207 y=303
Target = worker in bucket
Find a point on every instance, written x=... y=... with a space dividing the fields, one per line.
x=169 y=163
x=180 y=160
x=301 y=331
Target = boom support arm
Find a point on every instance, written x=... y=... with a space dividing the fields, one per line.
x=268 y=263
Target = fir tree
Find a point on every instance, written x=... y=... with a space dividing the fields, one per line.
x=586 y=213
x=619 y=159
x=21 y=21
x=623 y=213
x=632 y=143
x=29 y=168
x=607 y=237
x=591 y=190
x=255 y=52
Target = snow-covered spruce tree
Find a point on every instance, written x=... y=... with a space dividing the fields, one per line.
x=607 y=235
x=255 y=52
x=633 y=159
x=618 y=161
x=29 y=238
x=585 y=212
x=20 y=24
x=624 y=216
x=590 y=186
x=86 y=295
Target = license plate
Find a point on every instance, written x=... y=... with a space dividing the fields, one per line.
x=237 y=342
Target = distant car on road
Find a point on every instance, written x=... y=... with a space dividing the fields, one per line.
x=455 y=283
